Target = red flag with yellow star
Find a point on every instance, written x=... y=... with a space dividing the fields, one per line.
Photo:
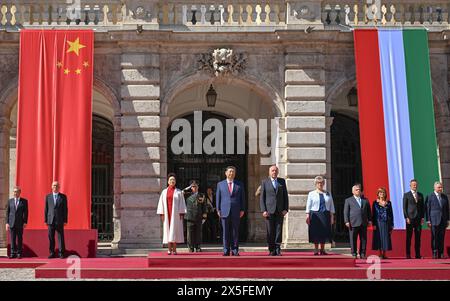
x=54 y=129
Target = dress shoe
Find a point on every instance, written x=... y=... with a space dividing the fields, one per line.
x=226 y=254
x=198 y=250
x=355 y=256
x=12 y=256
x=278 y=252
x=61 y=256
x=272 y=253
x=235 y=253
x=19 y=256
x=174 y=253
x=408 y=257
x=322 y=252
x=51 y=256
x=418 y=257
x=191 y=250
x=362 y=256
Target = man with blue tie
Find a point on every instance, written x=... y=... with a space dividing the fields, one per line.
x=16 y=221
x=55 y=218
x=230 y=200
x=357 y=216
x=436 y=211
x=274 y=204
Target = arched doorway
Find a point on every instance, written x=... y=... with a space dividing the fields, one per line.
x=237 y=98
x=208 y=170
x=102 y=177
x=346 y=168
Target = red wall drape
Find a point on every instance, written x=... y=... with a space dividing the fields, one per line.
x=54 y=128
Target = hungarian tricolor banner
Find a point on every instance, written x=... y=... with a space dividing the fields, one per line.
x=396 y=116
x=55 y=121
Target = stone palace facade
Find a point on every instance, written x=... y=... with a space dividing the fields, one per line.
x=154 y=61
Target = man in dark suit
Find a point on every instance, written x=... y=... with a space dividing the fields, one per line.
x=274 y=205
x=16 y=221
x=230 y=200
x=413 y=210
x=357 y=216
x=56 y=218
x=436 y=210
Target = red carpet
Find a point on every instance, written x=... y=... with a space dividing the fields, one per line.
x=248 y=265
x=82 y=243
x=398 y=238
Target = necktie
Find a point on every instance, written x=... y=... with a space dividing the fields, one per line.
x=16 y=203
x=229 y=186
x=55 y=197
x=274 y=184
x=415 y=196
x=359 y=202
x=439 y=199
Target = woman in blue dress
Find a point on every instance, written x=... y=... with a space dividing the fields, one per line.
x=319 y=216
x=383 y=223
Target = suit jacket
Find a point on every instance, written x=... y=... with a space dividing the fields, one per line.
x=228 y=203
x=434 y=212
x=355 y=215
x=411 y=208
x=271 y=199
x=56 y=214
x=17 y=217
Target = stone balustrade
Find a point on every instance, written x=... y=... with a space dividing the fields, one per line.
x=386 y=13
x=226 y=14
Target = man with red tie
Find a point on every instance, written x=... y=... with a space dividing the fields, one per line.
x=230 y=200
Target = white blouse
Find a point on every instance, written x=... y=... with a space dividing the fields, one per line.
x=313 y=201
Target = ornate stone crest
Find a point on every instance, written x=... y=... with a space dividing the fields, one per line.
x=222 y=62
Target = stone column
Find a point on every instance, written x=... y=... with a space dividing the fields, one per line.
x=139 y=151
x=5 y=126
x=305 y=122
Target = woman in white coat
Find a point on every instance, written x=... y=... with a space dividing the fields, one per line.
x=172 y=207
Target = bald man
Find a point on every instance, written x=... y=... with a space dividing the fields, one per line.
x=56 y=218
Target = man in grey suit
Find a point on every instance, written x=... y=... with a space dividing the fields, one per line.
x=357 y=216
x=274 y=205
x=437 y=217
x=16 y=221
x=56 y=217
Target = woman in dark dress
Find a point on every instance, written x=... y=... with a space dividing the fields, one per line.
x=383 y=223
x=319 y=216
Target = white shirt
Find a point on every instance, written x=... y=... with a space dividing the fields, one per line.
x=358 y=200
x=274 y=182
x=55 y=197
x=438 y=195
x=313 y=202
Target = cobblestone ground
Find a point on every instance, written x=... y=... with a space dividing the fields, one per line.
x=28 y=275
x=16 y=274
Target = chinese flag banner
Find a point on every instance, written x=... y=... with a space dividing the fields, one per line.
x=54 y=128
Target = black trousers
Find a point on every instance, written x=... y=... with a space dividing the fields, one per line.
x=274 y=228
x=438 y=237
x=16 y=240
x=194 y=234
x=361 y=232
x=415 y=227
x=51 y=237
